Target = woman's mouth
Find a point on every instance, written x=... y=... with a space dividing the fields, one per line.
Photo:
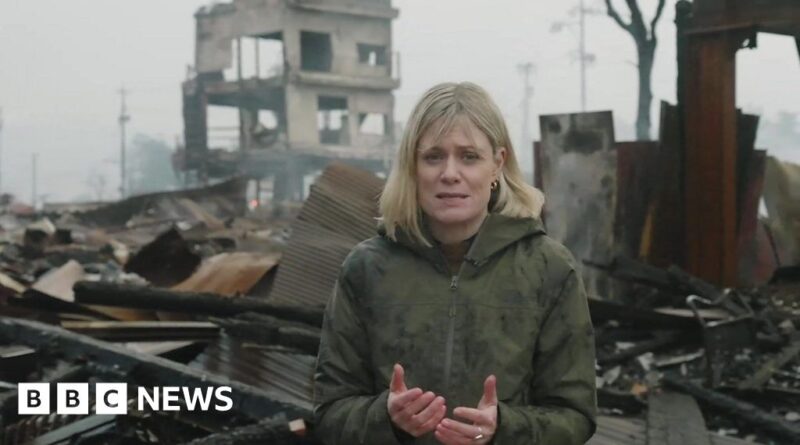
x=452 y=195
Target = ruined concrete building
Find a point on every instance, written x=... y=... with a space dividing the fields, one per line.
x=310 y=80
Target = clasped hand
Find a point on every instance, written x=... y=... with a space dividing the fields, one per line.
x=417 y=413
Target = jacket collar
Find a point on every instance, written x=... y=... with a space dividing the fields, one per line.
x=495 y=234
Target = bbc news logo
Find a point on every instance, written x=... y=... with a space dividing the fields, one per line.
x=112 y=398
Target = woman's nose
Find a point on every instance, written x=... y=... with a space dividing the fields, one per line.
x=450 y=172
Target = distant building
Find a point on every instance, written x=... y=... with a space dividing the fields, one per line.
x=312 y=81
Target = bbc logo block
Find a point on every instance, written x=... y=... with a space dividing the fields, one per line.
x=33 y=398
x=112 y=398
x=72 y=398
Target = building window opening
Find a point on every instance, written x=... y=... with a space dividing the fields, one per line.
x=332 y=120
x=315 y=51
x=372 y=55
x=265 y=130
x=372 y=123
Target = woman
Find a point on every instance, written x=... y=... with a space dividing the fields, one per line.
x=461 y=322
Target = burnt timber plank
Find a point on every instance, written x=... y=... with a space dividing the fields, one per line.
x=155 y=371
x=142 y=297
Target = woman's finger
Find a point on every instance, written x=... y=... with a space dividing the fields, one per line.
x=450 y=437
x=464 y=429
x=419 y=404
x=399 y=401
x=398 y=383
x=489 y=393
x=434 y=418
x=473 y=415
x=429 y=411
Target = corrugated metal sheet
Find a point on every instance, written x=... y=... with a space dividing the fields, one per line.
x=220 y=200
x=287 y=376
x=339 y=213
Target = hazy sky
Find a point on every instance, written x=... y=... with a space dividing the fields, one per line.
x=61 y=63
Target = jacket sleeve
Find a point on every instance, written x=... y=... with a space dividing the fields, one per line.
x=346 y=408
x=564 y=399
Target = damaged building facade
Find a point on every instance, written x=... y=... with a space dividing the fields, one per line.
x=312 y=82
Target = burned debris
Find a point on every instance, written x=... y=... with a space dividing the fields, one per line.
x=694 y=293
x=192 y=322
x=668 y=342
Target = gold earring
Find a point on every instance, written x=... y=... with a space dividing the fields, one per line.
x=495 y=184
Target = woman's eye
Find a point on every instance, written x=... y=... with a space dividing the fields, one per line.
x=471 y=156
x=432 y=156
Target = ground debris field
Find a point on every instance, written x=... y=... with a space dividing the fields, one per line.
x=186 y=291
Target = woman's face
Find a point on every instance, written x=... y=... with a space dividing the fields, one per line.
x=455 y=173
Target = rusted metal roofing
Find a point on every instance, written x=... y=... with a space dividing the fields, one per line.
x=206 y=204
x=229 y=274
x=775 y=16
x=339 y=213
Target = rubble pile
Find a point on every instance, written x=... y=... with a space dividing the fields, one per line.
x=213 y=297
x=728 y=348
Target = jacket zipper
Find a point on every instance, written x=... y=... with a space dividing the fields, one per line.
x=451 y=331
x=451 y=313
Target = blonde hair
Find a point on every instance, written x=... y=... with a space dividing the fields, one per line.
x=443 y=105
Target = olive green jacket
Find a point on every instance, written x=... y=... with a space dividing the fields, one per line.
x=516 y=308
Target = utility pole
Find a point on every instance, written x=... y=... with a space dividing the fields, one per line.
x=584 y=58
x=582 y=52
x=34 y=161
x=123 y=120
x=525 y=69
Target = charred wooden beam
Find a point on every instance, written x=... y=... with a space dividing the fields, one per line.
x=751 y=414
x=646 y=319
x=673 y=280
x=660 y=341
x=766 y=371
x=141 y=297
x=146 y=370
x=627 y=269
x=272 y=332
x=275 y=431
x=144 y=330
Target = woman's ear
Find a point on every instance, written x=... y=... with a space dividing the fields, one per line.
x=500 y=155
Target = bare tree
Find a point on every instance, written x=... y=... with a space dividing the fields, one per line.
x=645 y=40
